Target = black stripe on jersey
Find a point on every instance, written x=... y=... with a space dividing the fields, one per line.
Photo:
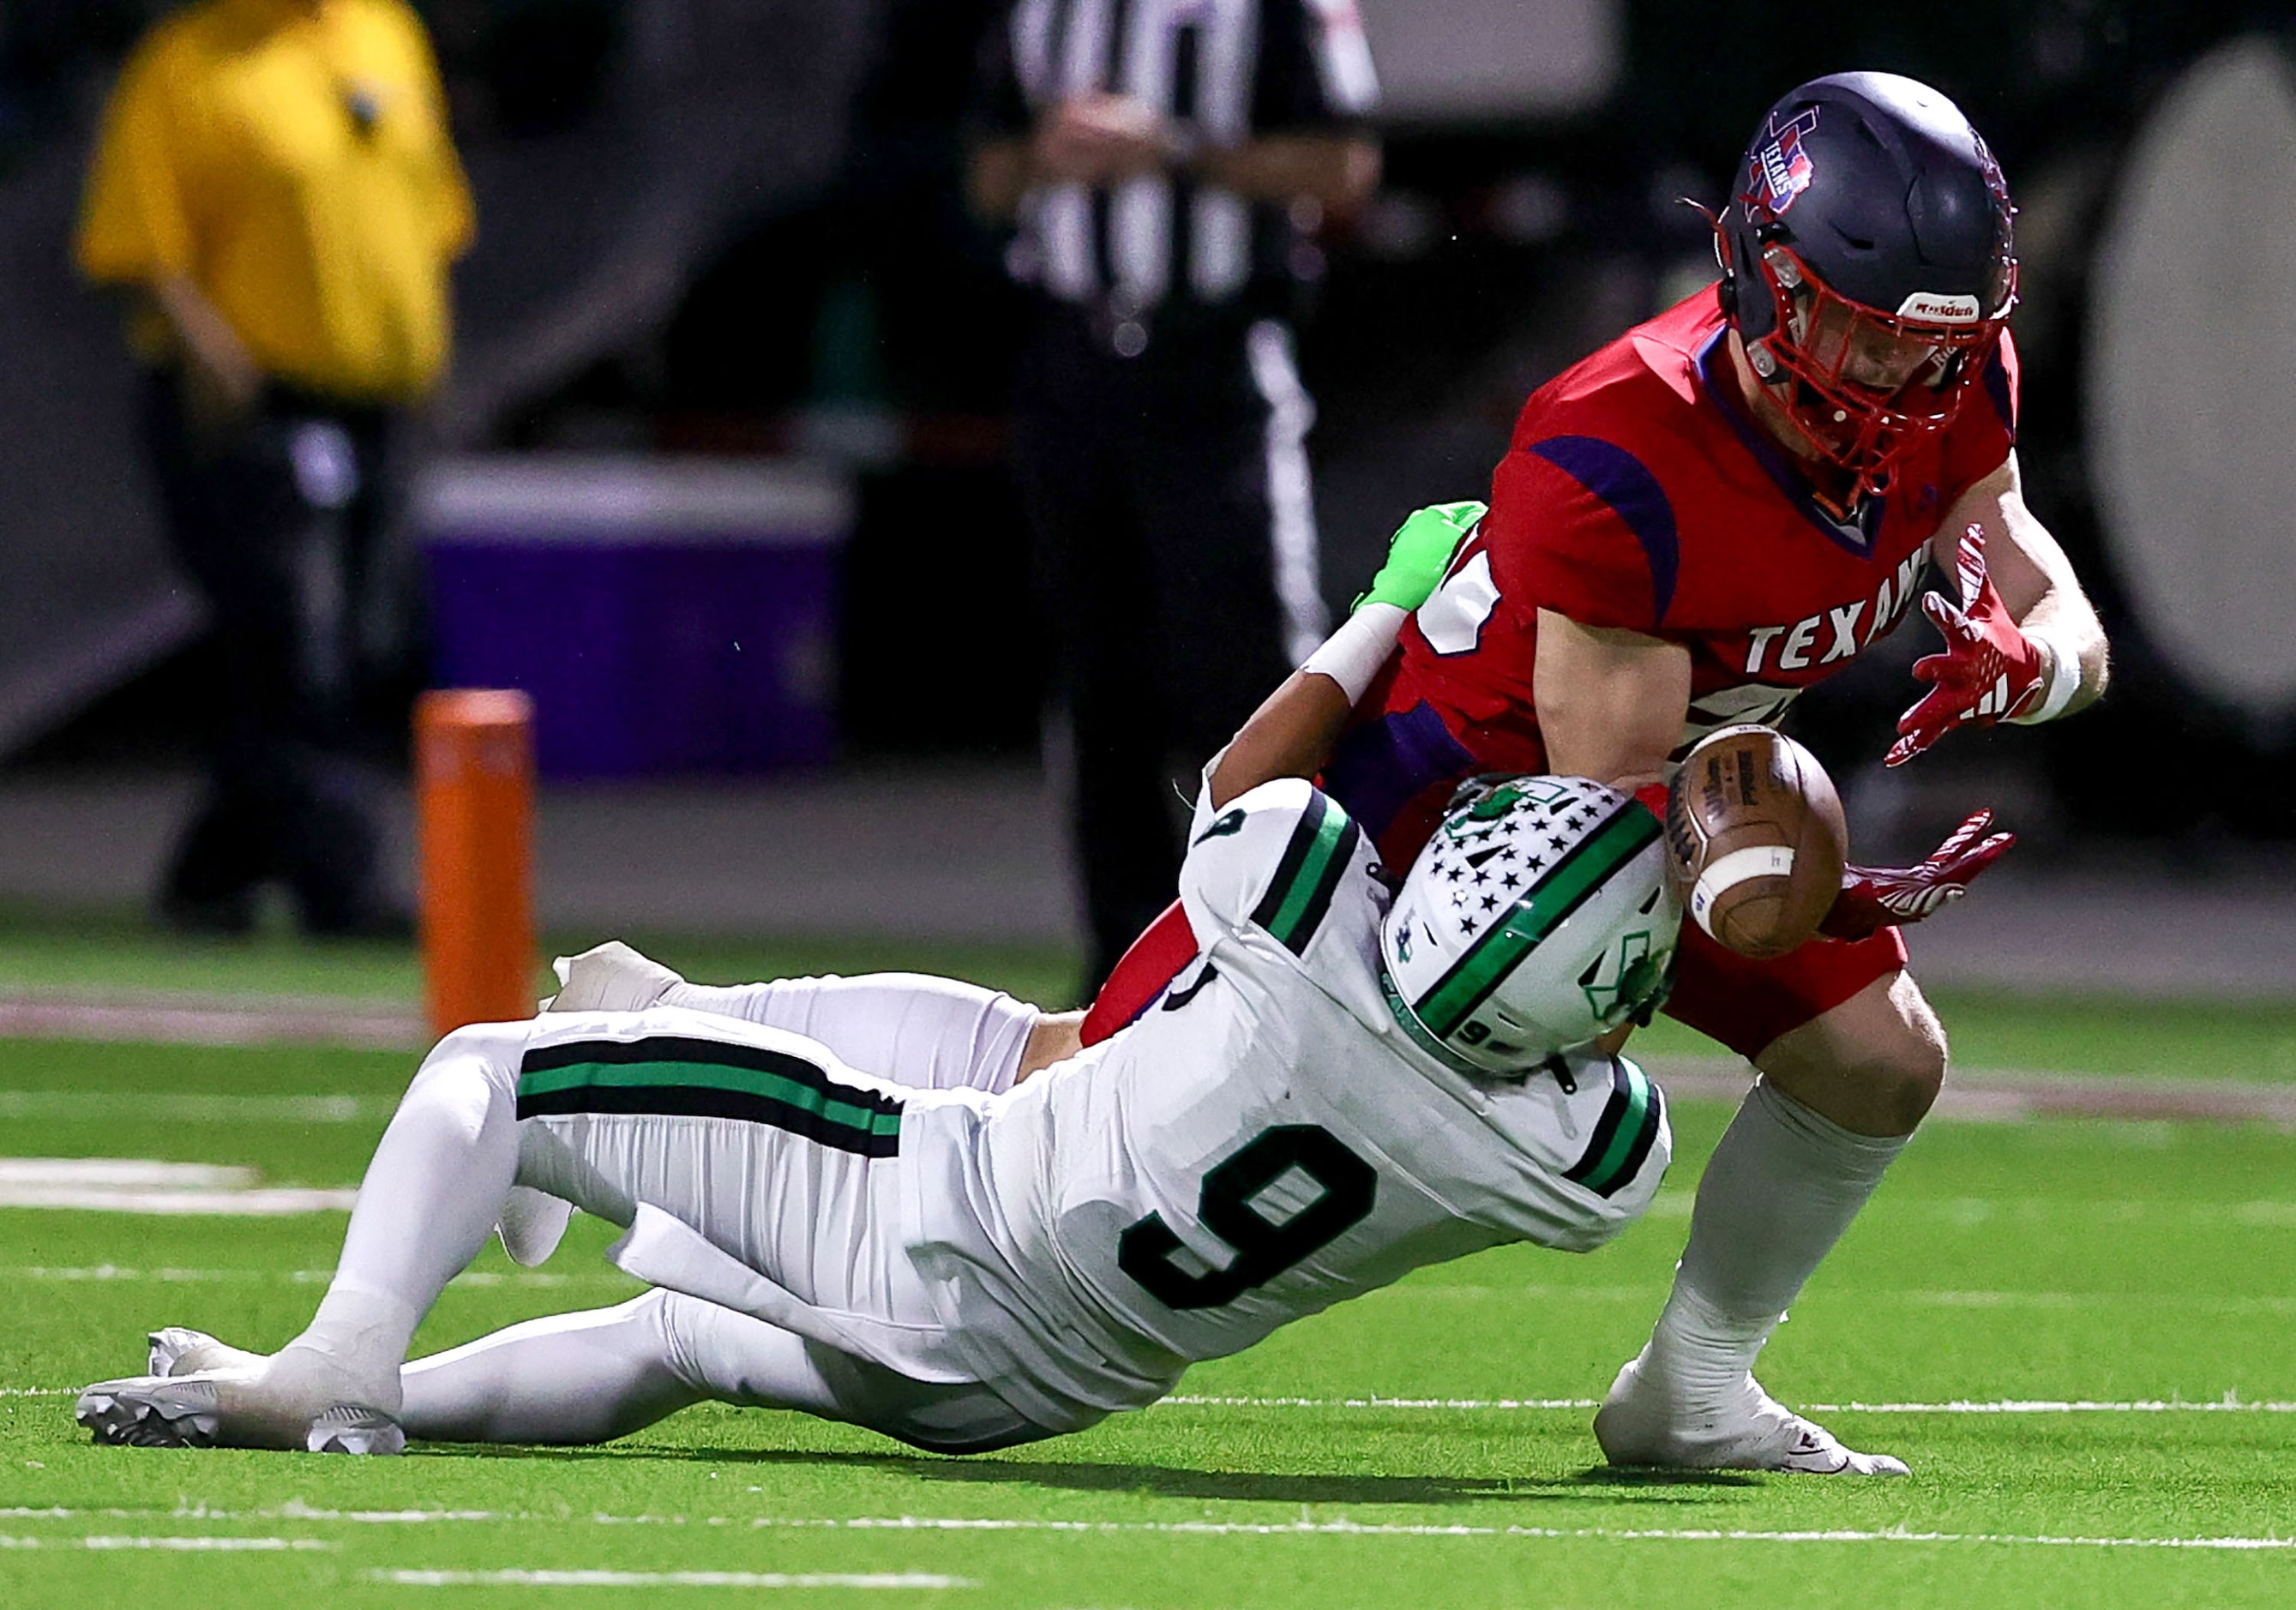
x=1634 y=1098
x=1295 y=855
x=1645 y=1137
x=1320 y=901
x=672 y=1075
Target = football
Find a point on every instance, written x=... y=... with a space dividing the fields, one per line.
x=1756 y=840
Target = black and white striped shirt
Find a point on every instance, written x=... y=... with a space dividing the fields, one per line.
x=1224 y=71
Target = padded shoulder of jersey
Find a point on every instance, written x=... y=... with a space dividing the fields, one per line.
x=1269 y=858
x=1640 y=390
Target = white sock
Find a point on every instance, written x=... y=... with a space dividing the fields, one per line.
x=1781 y=1187
x=590 y=1377
x=431 y=1197
x=928 y=1033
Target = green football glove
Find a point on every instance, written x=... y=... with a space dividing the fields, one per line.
x=1418 y=555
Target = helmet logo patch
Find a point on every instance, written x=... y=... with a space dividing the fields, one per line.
x=1623 y=981
x=1782 y=169
x=1934 y=307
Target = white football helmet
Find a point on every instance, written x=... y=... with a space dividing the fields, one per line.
x=1538 y=917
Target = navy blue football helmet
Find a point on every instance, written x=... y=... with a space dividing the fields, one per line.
x=1867 y=265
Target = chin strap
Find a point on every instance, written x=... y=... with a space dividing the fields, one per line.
x=1417 y=1031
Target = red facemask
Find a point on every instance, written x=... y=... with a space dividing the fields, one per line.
x=1864 y=387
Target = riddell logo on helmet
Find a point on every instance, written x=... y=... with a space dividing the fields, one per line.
x=1932 y=308
x=1784 y=167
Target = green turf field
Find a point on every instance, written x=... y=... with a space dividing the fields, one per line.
x=2146 y=1269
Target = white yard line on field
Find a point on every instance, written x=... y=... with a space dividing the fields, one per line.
x=1337 y=1527
x=258 y=1202
x=136 y=1185
x=667 y=1578
x=180 y=1545
x=184 y=1106
x=1668 y=1534
x=199 y=1018
x=469 y=1280
x=2228 y=1404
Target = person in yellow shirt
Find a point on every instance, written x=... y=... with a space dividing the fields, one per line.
x=276 y=191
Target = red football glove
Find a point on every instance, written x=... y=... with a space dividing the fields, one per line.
x=1989 y=670
x=1872 y=897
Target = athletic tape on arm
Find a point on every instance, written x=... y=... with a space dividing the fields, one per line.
x=2062 y=681
x=1352 y=655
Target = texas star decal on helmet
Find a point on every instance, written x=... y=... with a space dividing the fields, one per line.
x=1537 y=918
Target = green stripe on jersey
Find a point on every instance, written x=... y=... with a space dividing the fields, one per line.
x=1587 y=867
x=1619 y=1158
x=756 y=1082
x=1299 y=892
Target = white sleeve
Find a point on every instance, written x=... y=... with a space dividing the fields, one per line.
x=1270 y=858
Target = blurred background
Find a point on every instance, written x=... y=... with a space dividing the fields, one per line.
x=726 y=293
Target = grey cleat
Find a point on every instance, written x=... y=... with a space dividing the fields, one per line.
x=1642 y=1426
x=293 y=1400
x=612 y=977
x=177 y=1350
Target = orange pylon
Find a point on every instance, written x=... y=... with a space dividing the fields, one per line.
x=475 y=808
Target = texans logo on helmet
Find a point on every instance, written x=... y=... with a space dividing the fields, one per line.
x=1783 y=169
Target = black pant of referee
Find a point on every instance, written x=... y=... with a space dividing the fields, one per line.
x=278 y=522
x=1175 y=564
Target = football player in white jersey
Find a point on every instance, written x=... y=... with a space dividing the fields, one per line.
x=847 y=1200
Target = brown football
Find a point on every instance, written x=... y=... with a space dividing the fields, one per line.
x=1755 y=839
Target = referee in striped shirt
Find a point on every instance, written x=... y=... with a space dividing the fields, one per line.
x=1161 y=160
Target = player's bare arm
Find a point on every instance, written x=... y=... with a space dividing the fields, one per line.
x=1611 y=703
x=1292 y=734
x=2021 y=641
x=1289 y=735
x=2035 y=579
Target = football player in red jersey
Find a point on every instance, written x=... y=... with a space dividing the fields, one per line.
x=1725 y=505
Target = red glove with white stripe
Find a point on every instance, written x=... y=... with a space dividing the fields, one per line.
x=1872 y=897
x=1990 y=670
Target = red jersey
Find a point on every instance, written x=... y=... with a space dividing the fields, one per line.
x=1638 y=493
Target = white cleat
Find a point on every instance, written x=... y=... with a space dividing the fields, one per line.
x=612 y=977
x=179 y=1350
x=1642 y=1425
x=294 y=1400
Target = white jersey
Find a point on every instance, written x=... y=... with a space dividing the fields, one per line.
x=1264 y=1142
